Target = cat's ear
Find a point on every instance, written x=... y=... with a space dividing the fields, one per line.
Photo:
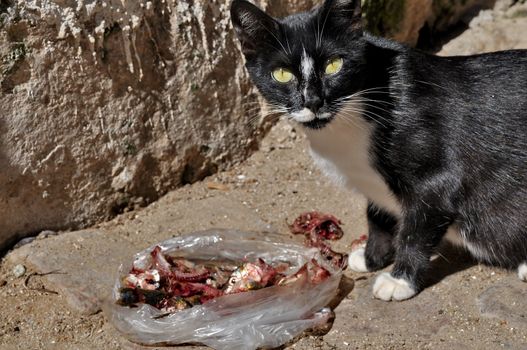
x=346 y=14
x=253 y=26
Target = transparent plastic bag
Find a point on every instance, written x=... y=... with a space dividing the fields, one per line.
x=267 y=317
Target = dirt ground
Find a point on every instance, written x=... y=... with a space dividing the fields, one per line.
x=468 y=306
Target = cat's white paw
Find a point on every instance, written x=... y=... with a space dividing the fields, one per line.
x=522 y=272
x=389 y=288
x=357 y=260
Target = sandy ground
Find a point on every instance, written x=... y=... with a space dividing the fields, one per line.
x=468 y=306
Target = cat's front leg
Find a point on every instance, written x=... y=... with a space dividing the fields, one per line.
x=379 y=250
x=419 y=235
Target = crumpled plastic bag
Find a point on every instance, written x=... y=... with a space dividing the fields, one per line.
x=268 y=317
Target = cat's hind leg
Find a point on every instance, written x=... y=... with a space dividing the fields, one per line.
x=522 y=271
x=379 y=251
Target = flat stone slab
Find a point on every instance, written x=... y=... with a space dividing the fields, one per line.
x=83 y=265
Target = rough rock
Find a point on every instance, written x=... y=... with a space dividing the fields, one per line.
x=106 y=106
x=492 y=30
x=404 y=20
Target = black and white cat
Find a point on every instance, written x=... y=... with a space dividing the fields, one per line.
x=438 y=145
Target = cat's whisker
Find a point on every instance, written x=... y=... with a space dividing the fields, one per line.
x=265 y=107
x=360 y=107
x=359 y=99
x=442 y=256
x=260 y=117
x=388 y=104
x=376 y=88
x=348 y=116
x=288 y=45
x=374 y=116
x=323 y=27
x=364 y=103
x=352 y=122
x=255 y=121
x=253 y=102
x=379 y=89
x=363 y=92
x=279 y=41
x=318 y=32
x=367 y=97
x=257 y=110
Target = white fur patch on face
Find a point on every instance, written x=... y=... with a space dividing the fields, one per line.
x=303 y=116
x=522 y=272
x=387 y=288
x=307 y=66
x=357 y=260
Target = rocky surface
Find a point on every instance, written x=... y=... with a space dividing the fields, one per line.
x=506 y=24
x=405 y=20
x=106 y=106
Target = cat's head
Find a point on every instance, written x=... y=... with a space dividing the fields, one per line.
x=305 y=64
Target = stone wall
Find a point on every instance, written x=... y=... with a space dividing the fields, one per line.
x=107 y=105
x=503 y=28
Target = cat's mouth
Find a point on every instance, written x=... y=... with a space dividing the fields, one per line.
x=311 y=120
x=317 y=123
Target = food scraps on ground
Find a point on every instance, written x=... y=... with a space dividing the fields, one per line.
x=172 y=284
x=317 y=228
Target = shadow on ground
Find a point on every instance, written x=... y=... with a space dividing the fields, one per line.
x=450 y=260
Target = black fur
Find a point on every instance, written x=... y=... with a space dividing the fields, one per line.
x=382 y=228
x=450 y=133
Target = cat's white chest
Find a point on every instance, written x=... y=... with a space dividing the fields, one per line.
x=342 y=151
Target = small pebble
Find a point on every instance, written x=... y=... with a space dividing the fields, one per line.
x=19 y=271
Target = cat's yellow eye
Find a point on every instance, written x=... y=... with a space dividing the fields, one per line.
x=282 y=75
x=334 y=66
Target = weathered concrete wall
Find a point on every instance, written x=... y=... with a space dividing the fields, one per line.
x=106 y=105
